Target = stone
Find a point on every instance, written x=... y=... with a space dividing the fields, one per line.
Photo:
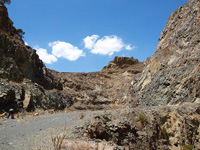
x=36 y=114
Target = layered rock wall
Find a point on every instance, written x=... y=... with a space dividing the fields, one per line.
x=171 y=75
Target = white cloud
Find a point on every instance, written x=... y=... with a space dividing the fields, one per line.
x=26 y=43
x=66 y=50
x=90 y=41
x=129 y=47
x=107 y=45
x=44 y=56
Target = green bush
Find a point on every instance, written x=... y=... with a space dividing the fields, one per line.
x=143 y=118
x=165 y=134
x=20 y=31
x=187 y=147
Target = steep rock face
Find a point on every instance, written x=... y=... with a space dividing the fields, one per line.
x=23 y=76
x=18 y=61
x=171 y=75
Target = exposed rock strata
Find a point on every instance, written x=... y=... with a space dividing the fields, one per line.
x=171 y=75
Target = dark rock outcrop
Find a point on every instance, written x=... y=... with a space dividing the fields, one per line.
x=18 y=61
x=21 y=69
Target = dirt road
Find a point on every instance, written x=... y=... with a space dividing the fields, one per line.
x=34 y=133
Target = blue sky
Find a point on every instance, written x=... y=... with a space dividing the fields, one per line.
x=85 y=35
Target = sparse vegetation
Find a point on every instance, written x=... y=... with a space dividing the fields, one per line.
x=165 y=134
x=20 y=31
x=142 y=118
x=186 y=147
x=58 y=141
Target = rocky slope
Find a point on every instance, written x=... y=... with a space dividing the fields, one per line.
x=110 y=87
x=166 y=96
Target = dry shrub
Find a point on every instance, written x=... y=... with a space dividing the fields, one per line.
x=82 y=115
x=58 y=141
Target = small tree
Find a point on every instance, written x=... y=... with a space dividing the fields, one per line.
x=6 y=1
x=20 y=31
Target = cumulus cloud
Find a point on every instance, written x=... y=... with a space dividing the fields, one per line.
x=107 y=45
x=66 y=50
x=44 y=56
x=90 y=41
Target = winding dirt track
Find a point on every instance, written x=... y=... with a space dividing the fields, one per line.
x=34 y=133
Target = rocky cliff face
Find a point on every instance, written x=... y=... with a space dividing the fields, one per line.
x=171 y=75
x=18 y=61
x=166 y=97
x=22 y=72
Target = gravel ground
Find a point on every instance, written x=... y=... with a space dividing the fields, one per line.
x=34 y=133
